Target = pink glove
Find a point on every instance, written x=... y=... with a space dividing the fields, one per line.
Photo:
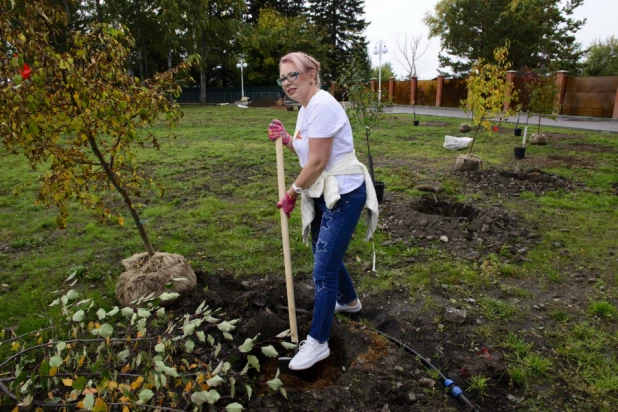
x=276 y=130
x=287 y=203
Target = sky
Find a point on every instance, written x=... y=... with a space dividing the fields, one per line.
x=391 y=18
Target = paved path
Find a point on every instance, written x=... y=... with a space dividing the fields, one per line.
x=596 y=124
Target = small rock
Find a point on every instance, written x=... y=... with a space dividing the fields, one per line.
x=423 y=223
x=445 y=286
x=513 y=399
x=366 y=266
x=455 y=315
x=386 y=408
x=399 y=368
x=411 y=260
x=245 y=284
x=485 y=228
x=579 y=279
x=564 y=252
x=557 y=244
x=465 y=128
x=429 y=237
x=444 y=238
x=412 y=396
x=522 y=251
x=426 y=382
x=387 y=243
x=470 y=300
x=592 y=280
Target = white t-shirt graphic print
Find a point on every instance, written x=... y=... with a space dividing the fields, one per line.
x=322 y=118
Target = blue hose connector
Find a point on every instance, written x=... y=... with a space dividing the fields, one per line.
x=448 y=383
x=456 y=391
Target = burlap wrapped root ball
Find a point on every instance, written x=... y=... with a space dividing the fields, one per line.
x=144 y=276
x=538 y=139
x=467 y=162
x=465 y=128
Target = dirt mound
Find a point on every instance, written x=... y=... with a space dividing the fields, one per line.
x=513 y=183
x=442 y=225
x=263 y=102
x=364 y=372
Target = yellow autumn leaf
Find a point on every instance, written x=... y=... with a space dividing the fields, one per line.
x=125 y=409
x=120 y=221
x=14 y=346
x=90 y=325
x=53 y=371
x=188 y=386
x=100 y=406
x=137 y=383
x=67 y=382
x=15 y=410
x=39 y=340
x=126 y=368
x=81 y=361
x=112 y=385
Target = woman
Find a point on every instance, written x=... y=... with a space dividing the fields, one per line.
x=335 y=187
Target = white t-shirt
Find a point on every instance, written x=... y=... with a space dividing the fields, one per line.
x=322 y=118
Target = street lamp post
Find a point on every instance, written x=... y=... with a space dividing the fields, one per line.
x=379 y=50
x=241 y=64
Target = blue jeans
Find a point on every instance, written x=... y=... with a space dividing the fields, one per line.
x=331 y=231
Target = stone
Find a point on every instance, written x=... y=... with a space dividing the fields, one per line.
x=465 y=128
x=426 y=382
x=444 y=238
x=445 y=286
x=423 y=223
x=522 y=251
x=454 y=315
x=387 y=243
x=411 y=260
x=412 y=396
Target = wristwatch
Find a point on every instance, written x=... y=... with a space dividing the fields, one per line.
x=297 y=189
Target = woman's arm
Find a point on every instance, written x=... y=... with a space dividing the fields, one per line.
x=319 y=155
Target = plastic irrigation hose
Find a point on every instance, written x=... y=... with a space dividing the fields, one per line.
x=454 y=390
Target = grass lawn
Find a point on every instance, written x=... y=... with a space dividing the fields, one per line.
x=553 y=315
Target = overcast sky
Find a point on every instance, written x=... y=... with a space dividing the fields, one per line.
x=388 y=18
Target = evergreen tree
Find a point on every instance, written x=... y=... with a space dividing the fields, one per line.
x=344 y=23
x=539 y=32
x=602 y=58
x=286 y=8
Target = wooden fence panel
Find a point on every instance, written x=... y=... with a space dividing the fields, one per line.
x=453 y=92
x=426 y=93
x=402 y=92
x=590 y=96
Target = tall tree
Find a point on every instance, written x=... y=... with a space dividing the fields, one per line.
x=287 y=8
x=412 y=51
x=270 y=40
x=344 y=23
x=386 y=73
x=539 y=31
x=601 y=58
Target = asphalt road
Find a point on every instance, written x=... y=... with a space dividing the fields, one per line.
x=596 y=124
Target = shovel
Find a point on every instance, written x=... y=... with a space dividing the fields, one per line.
x=284 y=362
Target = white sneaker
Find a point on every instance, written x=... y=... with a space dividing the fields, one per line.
x=349 y=309
x=309 y=353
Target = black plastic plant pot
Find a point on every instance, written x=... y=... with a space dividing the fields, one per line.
x=517 y=131
x=416 y=122
x=379 y=187
x=520 y=152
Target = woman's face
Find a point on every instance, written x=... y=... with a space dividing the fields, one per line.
x=301 y=89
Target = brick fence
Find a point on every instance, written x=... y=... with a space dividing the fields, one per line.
x=578 y=96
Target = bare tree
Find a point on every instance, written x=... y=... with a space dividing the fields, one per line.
x=411 y=51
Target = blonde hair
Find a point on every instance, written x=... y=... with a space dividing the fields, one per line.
x=305 y=63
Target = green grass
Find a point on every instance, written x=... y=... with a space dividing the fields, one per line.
x=218 y=211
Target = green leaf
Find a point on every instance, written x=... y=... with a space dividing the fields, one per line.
x=247 y=346
x=284 y=334
x=89 y=401
x=212 y=396
x=106 y=330
x=113 y=311
x=78 y=316
x=160 y=347
x=188 y=329
x=161 y=312
x=168 y=296
x=55 y=361
x=275 y=384
x=225 y=326
x=234 y=407
x=253 y=361
x=121 y=356
x=101 y=314
x=80 y=383
x=44 y=369
x=270 y=351
x=284 y=393
x=249 y=390
x=189 y=345
x=215 y=381
x=127 y=312
x=145 y=395
x=61 y=346
x=201 y=335
x=143 y=313
x=228 y=336
x=72 y=294
x=217 y=349
x=288 y=345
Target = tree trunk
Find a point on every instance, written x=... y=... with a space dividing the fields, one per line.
x=99 y=11
x=125 y=196
x=474 y=138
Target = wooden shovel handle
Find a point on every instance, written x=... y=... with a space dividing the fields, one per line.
x=285 y=237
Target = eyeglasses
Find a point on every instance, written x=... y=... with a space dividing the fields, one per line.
x=290 y=78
